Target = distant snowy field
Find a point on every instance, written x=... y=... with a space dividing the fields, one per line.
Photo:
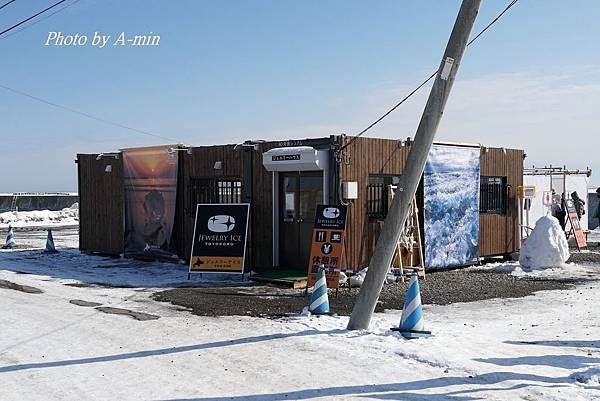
x=542 y=347
x=41 y=218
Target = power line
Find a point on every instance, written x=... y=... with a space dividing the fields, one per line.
x=47 y=102
x=512 y=3
x=81 y=113
x=7 y=3
x=39 y=20
x=32 y=17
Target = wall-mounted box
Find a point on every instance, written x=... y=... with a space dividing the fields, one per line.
x=350 y=190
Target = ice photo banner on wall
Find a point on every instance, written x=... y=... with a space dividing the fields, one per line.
x=451 y=206
x=150 y=198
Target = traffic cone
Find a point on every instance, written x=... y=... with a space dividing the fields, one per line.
x=319 y=300
x=50 y=248
x=411 y=323
x=10 y=239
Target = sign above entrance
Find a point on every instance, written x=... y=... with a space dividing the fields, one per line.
x=282 y=158
x=296 y=158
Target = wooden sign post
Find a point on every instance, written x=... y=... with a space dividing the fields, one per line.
x=327 y=248
x=575 y=224
x=409 y=246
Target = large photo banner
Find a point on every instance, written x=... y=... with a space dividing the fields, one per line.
x=150 y=177
x=451 y=206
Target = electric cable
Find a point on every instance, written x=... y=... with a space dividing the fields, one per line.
x=45 y=17
x=7 y=3
x=81 y=113
x=32 y=17
x=512 y=3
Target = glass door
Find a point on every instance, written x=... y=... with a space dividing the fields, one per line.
x=300 y=193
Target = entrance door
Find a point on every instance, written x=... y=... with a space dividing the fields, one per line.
x=299 y=195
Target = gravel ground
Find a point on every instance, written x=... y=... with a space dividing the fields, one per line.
x=442 y=288
x=590 y=255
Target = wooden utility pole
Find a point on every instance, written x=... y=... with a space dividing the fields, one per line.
x=407 y=187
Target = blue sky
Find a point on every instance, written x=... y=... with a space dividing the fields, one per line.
x=226 y=71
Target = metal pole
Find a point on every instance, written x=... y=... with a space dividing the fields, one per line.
x=407 y=187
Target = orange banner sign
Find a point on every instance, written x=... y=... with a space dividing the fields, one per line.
x=328 y=239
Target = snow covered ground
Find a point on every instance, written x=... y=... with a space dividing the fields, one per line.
x=41 y=218
x=542 y=347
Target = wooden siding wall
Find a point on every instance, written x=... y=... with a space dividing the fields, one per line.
x=201 y=164
x=101 y=198
x=262 y=210
x=262 y=201
x=499 y=234
x=100 y=204
x=367 y=156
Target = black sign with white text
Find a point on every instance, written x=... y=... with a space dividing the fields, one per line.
x=331 y=217
x=219 y=243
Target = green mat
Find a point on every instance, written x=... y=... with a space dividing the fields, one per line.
x=283 y=275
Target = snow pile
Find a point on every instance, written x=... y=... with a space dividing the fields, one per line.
x=66 y=216
x=358 y=279
x=343 y=279
x=546 y=247
x=567 y=271
x=589 y=377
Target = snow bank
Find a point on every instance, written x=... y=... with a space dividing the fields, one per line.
x=546 y=247
x=358 y=279
x=568 y=271
x=64 y=217
x=589 y=377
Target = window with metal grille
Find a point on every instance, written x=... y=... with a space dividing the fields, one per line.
x=493 y=196
x=214 y=190
x=378 y=195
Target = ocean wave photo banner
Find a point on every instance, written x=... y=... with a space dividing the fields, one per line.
x=451 y=206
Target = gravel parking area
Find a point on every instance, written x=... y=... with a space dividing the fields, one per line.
x=443 y=287
x=589 y=255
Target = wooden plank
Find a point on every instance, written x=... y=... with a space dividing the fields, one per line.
x=100 y=204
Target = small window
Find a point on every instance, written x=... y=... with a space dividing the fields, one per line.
x=214 y=190
x=493 y=196
x=378 y=194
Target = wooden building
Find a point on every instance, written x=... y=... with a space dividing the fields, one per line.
x=283 y=182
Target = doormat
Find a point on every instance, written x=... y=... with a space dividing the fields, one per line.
x=289 y=278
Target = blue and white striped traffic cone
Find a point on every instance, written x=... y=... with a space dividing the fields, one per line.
x=10 y=239
x=319 y=299
x=411 y=323
x=50 y=248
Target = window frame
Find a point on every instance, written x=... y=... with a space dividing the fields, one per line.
x=378 y=195
x=216 y=190
x=493 y=195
